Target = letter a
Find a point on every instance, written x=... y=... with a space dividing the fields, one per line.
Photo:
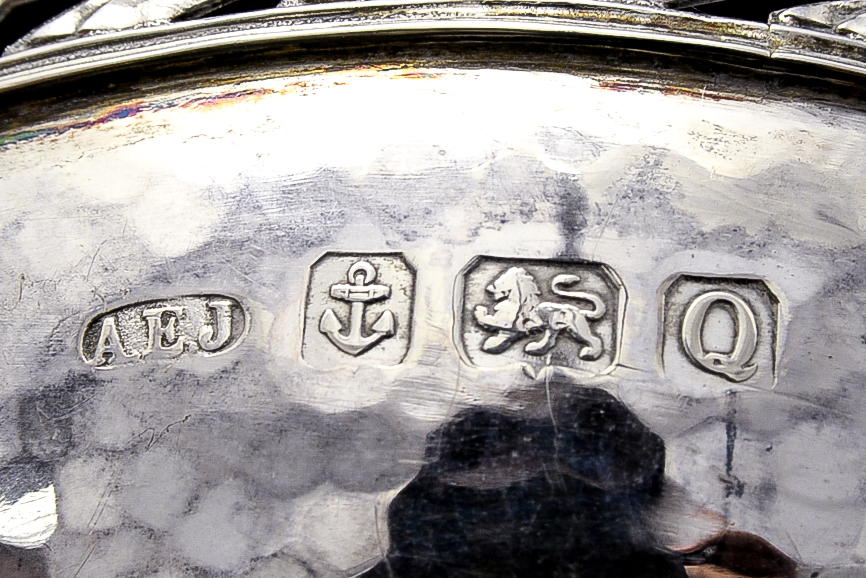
x=109 y=342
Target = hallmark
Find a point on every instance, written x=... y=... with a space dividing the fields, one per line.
x=519 y=313
x=721 y=326
x=358 y=293
x=561 y=313
x=163 y=329
x=735 y=365
x=359 y=306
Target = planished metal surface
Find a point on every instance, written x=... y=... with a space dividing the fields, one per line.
x=461 y=305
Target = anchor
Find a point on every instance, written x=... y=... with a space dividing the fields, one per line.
x=358 y=293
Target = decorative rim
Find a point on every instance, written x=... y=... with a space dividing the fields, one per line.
x=787 y=38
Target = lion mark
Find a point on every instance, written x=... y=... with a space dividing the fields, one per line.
x=519 y=313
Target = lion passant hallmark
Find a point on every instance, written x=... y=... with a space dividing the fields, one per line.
x=518 y=313
x=541 y=312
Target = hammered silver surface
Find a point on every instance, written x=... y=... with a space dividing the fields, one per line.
x=259 y=463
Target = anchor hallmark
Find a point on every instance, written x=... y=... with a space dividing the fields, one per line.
x=358 y=293
x=358 y=310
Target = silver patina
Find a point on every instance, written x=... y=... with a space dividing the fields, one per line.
x=256 y=265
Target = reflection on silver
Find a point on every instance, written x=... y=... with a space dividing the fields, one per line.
x=29 y=521
x=28 y=506
x=690 y=240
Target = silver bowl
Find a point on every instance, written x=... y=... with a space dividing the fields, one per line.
x=589 y=274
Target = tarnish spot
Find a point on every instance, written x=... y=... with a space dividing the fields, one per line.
x=669 y=90
x=130 y=110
